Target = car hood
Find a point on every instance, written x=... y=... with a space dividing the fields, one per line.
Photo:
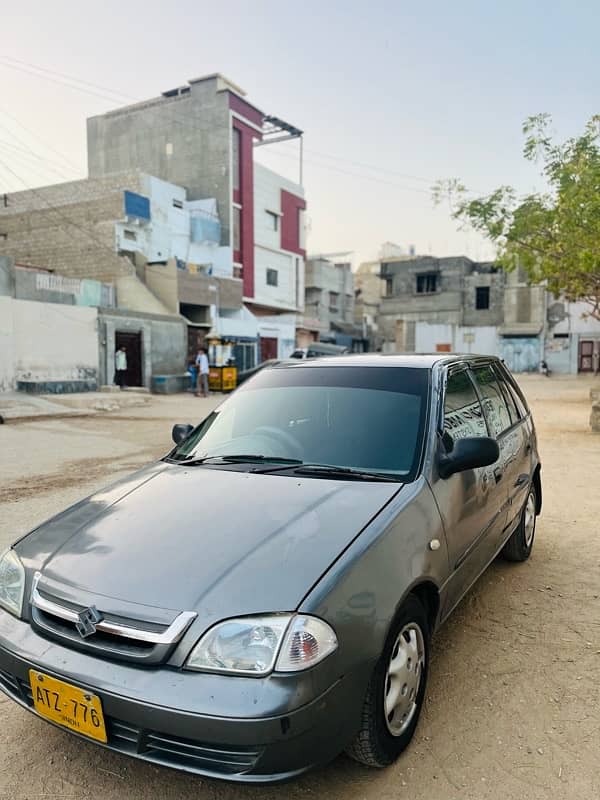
x=219 y=542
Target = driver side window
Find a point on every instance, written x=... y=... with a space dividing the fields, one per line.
x=463 y=415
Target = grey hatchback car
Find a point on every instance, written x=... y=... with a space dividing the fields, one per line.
x=264 y=597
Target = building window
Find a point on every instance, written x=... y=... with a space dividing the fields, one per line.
x=177 y=203
x=334 y=298
x=389 y=287
x=272 y=277
x=236 y=229
x=482 y=297
x=235 y=166
x=427 y=283
x=273 y=219
x=130 y=235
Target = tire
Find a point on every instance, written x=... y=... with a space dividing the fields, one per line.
x=520 y=544
x=383 y=737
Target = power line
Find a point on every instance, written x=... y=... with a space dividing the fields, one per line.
x=41 y=141
x=26 y=154
x=185 y=119
x=357 y=175
x=70 y=85
x=373 y=167
x=17 y=61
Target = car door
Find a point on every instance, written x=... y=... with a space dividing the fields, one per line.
x=472 y=503
x=520 y=471
x=506 y=427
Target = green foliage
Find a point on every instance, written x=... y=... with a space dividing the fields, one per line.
x=554 y=236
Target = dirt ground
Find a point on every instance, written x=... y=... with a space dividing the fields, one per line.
x=513 y=708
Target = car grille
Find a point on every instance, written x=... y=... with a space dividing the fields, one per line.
x=160 y=748
x=113 y=637
x=109 y=646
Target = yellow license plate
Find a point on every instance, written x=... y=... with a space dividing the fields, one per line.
x=68 y=705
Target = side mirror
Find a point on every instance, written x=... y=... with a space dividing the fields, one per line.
x=469 y=453
x=181 y=432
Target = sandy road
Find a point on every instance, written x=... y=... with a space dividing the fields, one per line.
x=514 y=701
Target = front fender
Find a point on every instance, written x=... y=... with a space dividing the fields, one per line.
x=361 y=592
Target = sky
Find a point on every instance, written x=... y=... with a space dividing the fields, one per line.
x=392 y=96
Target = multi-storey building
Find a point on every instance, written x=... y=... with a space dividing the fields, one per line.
x=177 y=216
x=368 y=291
x=329 y=298
x=202 y=136
x=455 y=304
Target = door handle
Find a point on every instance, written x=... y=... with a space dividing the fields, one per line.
x=528 y=448
x=521 y=480
x=498 y=474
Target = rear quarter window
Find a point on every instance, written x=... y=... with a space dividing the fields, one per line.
x=515 y=389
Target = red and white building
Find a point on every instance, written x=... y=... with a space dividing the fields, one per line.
x=268 y=234
x=204 y=136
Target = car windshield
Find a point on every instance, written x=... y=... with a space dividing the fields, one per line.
x=364 y=418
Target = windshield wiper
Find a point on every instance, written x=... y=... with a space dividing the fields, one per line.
x=241 y=458
x=331 y=471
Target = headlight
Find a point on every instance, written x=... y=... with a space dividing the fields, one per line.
x=257 y=645
x=12 y=582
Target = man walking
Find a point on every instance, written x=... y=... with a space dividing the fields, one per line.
x=120 y=366
x=202 y=366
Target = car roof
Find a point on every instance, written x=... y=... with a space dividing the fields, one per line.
x=425 y=361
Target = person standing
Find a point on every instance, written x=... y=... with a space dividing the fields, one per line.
x=202 y=366
x=120 y=367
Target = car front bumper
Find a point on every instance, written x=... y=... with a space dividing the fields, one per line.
x=154 y=714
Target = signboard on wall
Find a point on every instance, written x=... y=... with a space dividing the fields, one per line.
x=136 y=205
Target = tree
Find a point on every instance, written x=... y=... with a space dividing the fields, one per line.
x=555 y=235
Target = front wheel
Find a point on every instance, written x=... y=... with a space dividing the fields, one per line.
x=520 y=544
x=395 y=694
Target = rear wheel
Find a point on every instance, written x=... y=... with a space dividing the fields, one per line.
x=520 y=544
x=395 y=694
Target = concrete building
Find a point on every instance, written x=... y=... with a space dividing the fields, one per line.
x=47 y=346
x=69 y=227
x=184 y=136
x=572 y=342
x=279 y=252
x=368 y=292
x=178 y=218
x=455 y=304
x=329 y=298
x=201 y=136
x=60 y=334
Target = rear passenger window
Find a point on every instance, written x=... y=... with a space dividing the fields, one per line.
x=463 y=415
x=514 y=390
x=494 y=404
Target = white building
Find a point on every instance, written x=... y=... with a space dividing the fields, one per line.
x=279 y=256
x=187 y=230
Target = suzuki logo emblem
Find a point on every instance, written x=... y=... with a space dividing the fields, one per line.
x=87 y=621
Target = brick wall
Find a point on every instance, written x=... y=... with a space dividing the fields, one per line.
x=69 y=227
